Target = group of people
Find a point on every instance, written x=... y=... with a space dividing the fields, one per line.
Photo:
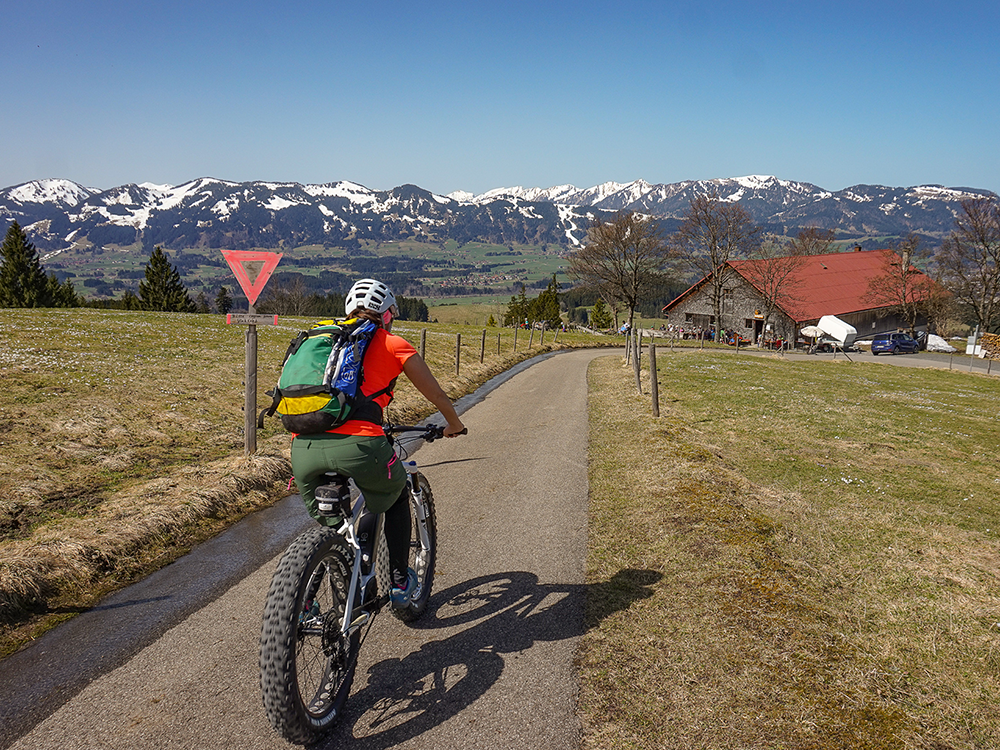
x=694 y=332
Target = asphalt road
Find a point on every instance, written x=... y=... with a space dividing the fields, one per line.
x=172 y=662
x=937 y=360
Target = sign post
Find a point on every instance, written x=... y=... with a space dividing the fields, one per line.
x=263 y=263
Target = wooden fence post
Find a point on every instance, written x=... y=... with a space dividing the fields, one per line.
x=423 y=343
x=250 y=391
x=516 y=326
x=653 y=384
x=635 y=364
x=498 y=343
x=531 y=336
x=482 y=348
x=458 y=352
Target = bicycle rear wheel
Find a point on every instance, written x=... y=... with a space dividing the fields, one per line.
x=306 y=663
x=423 y=550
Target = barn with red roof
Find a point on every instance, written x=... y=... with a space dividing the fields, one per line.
x=829 y=284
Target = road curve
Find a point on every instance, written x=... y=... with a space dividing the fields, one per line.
x=490 y=665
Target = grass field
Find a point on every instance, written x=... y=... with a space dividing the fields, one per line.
x=808 y=551
x=821 y=542
x=122 y=437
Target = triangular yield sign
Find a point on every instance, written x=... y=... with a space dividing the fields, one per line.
x=237 y=260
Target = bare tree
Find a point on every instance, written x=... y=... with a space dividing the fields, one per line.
x=713 y=233
x=625 y=260
x=944 y=317
x=969 y=259
x=288 y=298
x=812 y=241
x=772 y=270
x=900 y=288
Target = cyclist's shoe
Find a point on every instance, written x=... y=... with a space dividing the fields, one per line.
x=310 y=611
x=402 y=591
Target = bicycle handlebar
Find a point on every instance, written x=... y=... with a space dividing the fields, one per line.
x=430 y=432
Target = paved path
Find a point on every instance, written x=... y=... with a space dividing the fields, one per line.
x=490 y=666
x=936 y=360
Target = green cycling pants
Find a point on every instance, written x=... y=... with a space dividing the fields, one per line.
x=370 y=461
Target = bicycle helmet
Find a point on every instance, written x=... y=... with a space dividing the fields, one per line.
x=369 y=294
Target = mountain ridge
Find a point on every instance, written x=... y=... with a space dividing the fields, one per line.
x=59 y=214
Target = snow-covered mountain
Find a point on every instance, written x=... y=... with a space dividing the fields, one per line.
x=59 y=214
x=862 y=209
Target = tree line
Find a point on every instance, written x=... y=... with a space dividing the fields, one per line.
x=24 y=283
x=544 y=309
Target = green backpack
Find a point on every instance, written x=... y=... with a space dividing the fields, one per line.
x=321 y=375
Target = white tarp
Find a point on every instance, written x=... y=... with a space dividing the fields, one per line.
x=938 y=344
x=837 y=329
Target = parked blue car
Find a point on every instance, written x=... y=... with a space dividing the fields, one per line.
x=894 y=343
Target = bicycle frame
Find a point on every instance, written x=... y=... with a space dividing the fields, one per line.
x=379 y=569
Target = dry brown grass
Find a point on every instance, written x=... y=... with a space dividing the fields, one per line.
x=824 y=583
x=126 y=534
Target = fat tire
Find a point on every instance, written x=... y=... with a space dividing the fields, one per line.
x=306 y=665
x=421 y=562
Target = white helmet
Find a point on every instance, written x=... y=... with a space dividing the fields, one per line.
x=369 y=294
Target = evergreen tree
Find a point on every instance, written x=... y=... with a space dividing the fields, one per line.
x=600 y=316
x=62 y=295
x=412 y=308
x=201 y=304
x=23 y=283
x=130 y=301
x=518 y=310
x=223 y=300
x=545 y=307
x=162 y=289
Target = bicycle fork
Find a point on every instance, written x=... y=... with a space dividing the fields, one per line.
x=420 y=512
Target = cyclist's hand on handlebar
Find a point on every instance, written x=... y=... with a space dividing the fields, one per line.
x=454 y=430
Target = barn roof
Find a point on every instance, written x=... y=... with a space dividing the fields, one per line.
x=828 y=284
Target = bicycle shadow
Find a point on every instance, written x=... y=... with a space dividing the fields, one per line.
x=499 y=614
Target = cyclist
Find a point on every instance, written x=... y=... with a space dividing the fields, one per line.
x=359 y=447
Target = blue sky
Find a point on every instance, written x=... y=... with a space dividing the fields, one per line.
x=476 y=95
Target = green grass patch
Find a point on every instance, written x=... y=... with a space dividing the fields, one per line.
x=825 y=536
x=475 y=264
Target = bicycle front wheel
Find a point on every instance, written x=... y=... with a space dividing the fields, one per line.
x=306 y=662
x=423 y=549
